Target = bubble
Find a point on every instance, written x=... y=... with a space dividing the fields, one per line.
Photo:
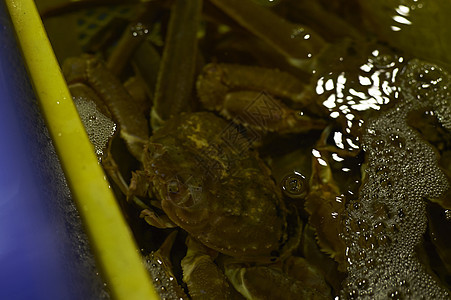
x=378 y=145
x=397 y=141
x=379 y=227
x=139 y=29
x=370 y=263
x=294 y=186
x=448 y=214
x=162 y=279
x=396 y=295
x=384 y=240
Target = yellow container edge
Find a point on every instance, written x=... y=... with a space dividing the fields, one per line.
x=110 y=237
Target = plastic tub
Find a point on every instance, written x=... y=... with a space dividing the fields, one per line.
x=43 y=253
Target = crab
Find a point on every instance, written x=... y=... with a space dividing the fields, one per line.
x=204 y=175
x=216 y=188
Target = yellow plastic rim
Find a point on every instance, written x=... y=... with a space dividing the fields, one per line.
x=110 y=237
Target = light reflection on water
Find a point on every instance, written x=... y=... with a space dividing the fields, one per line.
x=351 y=95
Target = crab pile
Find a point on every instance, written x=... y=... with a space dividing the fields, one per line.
x=274 y=149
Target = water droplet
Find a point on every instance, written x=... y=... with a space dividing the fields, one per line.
x=294 y=186
x=139 y=29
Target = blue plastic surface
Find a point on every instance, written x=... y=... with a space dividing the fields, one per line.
x=44 y=253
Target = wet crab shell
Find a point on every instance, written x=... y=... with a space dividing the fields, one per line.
x=211 y=184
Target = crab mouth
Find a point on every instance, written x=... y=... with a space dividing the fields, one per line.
x=183 y=193
x=184 y=206
x=178 y=197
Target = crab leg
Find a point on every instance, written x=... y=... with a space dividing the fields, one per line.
x=175 y=80
x=325 y=208
x=325 y=22
x=159 y=265
x=271 y=282
x=132 y=38
x=297 y=43
x=249 y=96
x=133 y=124
x=203 y=277
x=220 y=78
x=146 y=62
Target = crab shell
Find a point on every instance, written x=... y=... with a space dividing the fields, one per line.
x=211 y=184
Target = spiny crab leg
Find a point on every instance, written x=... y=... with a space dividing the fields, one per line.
x=205 y=280
x=176 y=76
x=297 y=43
x=296 y=278
x=146 y=63
x=324 y=209
x=225 y=77
x=325 y=22
x=138 y=188
x=159 y=265
x=131 y=38
x=249 y=96
x=133 y=124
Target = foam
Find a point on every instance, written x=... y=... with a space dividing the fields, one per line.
x=98 y=126
x=383 y=229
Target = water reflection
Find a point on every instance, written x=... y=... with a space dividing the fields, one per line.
x=351 y=95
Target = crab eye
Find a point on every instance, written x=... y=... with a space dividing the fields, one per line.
x=173 y=187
